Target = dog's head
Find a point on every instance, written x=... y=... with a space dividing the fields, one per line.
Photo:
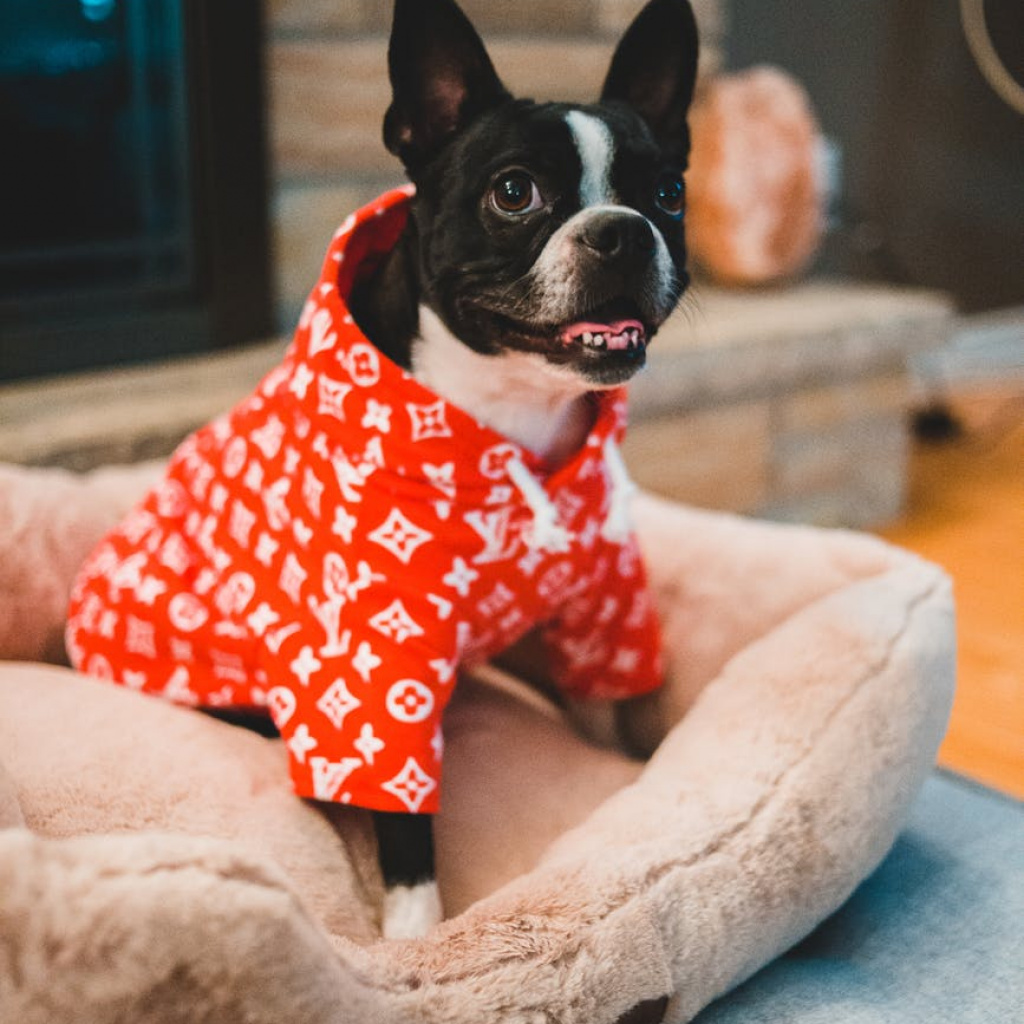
x=546 y=228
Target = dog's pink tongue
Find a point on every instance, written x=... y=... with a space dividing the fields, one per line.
x=619 y=334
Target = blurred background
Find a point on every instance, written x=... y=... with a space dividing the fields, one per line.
x=133 y=188
x=165 y=157
x=931 y=159
x=852 y=353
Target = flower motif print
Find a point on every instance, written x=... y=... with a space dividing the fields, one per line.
x=340 y=543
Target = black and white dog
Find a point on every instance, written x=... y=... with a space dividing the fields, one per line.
x=544 y=249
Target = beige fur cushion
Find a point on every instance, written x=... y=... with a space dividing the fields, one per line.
x=155 y=866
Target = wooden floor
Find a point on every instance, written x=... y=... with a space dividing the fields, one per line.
x=966 y=512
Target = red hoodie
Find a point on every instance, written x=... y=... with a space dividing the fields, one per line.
x=334 y=547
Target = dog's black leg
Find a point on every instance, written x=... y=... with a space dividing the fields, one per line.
x=405 y=844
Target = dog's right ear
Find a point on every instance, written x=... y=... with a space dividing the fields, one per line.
x=441 y=78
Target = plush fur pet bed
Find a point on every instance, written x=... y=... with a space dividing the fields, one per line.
x=154 y=865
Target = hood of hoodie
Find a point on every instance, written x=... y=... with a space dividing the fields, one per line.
x=357 y=397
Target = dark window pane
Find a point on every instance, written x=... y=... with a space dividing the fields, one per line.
x=93 y=186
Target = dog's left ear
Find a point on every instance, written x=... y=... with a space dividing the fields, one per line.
x=441 y=77
x=654 y=70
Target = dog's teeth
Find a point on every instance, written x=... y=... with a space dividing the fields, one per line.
x=602 y=341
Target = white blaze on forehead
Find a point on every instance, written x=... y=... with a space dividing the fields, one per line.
x=594 y=144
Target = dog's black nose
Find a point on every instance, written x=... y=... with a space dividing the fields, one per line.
x=613 y=235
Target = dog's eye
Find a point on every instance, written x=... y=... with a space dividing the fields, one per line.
x=515 y=192
x=671 y=195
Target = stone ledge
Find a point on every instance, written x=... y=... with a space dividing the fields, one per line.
x=124 y=415
x=725 y=346
x=833 y=455
x=787 y=403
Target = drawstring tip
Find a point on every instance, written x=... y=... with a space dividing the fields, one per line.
x=546 y=533
x=618 y=524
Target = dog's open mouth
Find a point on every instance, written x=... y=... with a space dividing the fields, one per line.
x=606 y=343
x=614 y=336
x=616 y=326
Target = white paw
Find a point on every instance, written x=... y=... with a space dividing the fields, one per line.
x=411 y=911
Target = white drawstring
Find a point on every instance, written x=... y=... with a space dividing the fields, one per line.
x=547 y=534
x=618 y=523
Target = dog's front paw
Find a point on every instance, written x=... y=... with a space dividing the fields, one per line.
x=410 y=911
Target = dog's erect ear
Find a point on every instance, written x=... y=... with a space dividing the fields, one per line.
x=441 y=78
x=654 y=69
